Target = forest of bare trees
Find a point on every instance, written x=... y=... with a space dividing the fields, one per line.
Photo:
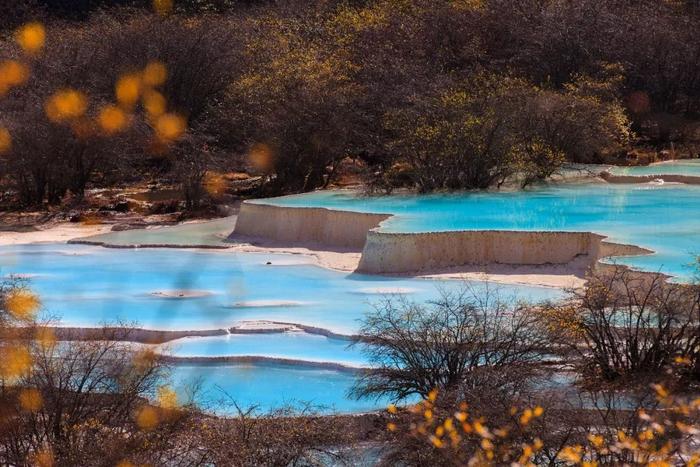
x=422 y=94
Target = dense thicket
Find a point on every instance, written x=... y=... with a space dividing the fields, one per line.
x=429 y=95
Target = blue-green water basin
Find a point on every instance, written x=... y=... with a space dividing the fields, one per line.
x=269 y=387
x=83 y=285
x=665 y=219
x=89 y=286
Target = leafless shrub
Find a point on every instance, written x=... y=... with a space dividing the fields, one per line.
x=625 y=324
x=460 y=341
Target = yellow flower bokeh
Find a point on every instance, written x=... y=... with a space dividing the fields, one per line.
x=12 y=73
x=15 y=361
x=46 y=337
x=215 y=184
x=167 y=397
x=31 y=37
x=128 y=90
x=112 y=119
x=170 y=126
x=261 y=157
x=163 y=7
x=155 y=74
x=147 y=418
x=66 y=104
x=154 y=103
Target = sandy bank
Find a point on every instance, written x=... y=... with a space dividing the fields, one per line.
x=56 y=233
x=340 y=260
x=551 y=275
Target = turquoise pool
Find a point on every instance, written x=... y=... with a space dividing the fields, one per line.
x=663 y=218
x=90 y=285
x=270 y=386
x=84 y=285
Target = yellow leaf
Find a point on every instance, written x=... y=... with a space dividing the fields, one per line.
x=261 y=157
x=167 y=398
x=147 y=418
x=163 y=7
x=43 y=459
x=154 y=103
x=128 y=90
x=46 y=337
x=22 y=305
x=15 y=361
x=12 y=73
x=66 y=104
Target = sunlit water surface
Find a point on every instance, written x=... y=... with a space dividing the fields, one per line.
x=271 y=386
x=90 y=285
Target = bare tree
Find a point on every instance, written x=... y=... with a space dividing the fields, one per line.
x=624 y=324
x=458 y=341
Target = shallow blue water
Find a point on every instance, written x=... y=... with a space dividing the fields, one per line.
x=210 y=233
x=270 y=387
x=88 y=286
x=663 y=218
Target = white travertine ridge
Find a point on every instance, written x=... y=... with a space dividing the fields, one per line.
x=399 y=253
x=322 y=226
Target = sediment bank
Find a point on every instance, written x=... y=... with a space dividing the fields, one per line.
x=257 y=360
x=153 y=336
x=667 y=178
x=147 y=245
